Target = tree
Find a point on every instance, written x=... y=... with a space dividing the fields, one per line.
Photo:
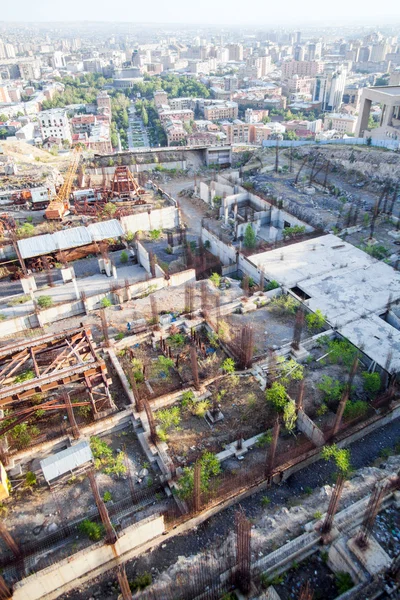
x=290 y=135
x=3 y=118
x=277 y=396
x=145 y=117
x=315 y=320
x=250 y=239
x=341 y=457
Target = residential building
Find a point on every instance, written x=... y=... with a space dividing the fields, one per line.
x=302 y=68
x=54 y=123
x=329 y=89
x=255 y=116
x=185 y=116
x=342 y=123
x=236 y=132
x=218 y=112
x=181 y=103
x=235 y=52
x=104 y=104
x=175 y=132
x=160 y=98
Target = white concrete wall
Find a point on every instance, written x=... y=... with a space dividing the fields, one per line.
x=68 y=570
x=143 y=257
x=226 y=254
x=163 y=218
x=204 y=192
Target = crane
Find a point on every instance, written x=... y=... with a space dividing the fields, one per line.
x=60 y=205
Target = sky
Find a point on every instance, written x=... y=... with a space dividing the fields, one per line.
x=219 y=12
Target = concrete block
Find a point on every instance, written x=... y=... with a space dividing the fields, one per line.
x=67 y=274
x=301 y=354
x=373 y=558
x=28 y=284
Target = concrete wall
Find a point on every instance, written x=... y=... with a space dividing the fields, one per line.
x=143 y=257
x=46 y=582
x=163 y=218
x=226 y=254
x=204 y=192
x=309 y=428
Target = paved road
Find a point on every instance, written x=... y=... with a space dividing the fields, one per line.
x=136 y=126
x=216 y=529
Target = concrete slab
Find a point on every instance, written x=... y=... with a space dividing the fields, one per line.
x=374 y=559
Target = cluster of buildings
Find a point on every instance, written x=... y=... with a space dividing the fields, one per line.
x=261 y=86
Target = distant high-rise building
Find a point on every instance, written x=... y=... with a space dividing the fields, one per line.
x=235 y=52
x=298 y=37
x=329 y=89
x=365 y=54
x=299 y=53
x=10 y=50
x=314 y=50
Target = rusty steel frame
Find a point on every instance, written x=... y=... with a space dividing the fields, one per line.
x=56 y=360
x=298 y=328
x=197 y=487
x=111 y=536
x=123 y=583
x=270 y=457
x=194 y=365
x=379 y=492
x=5 y=592
x=333 y=504
x=243 y=552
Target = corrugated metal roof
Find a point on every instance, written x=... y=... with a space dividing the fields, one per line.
x=69 y=238
x=105 y=230
x=35 y=246
x=66 y=461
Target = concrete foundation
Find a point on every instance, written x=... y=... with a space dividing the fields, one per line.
x=28 y=284
x=373 y=558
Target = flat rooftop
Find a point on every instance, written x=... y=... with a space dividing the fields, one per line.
x=350 y=288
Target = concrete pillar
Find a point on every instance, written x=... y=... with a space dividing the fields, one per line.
x=114 y=271
x=67 y=274
x=107 y=266
x=387 y=115
x=363 y=116
x=226 y=217
x=28 y=284
x=101 y=265
x=235 y=211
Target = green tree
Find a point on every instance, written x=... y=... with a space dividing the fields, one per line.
x=249 y=240
x=277 y=396
x=340 y=456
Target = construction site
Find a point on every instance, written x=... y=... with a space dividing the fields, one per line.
x=199 y=381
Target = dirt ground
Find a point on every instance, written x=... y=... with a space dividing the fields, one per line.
x=312 y=571
x=33 y=513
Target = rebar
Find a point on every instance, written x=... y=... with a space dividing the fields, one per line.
x=333 y=504
x=197 y=487
x=154 y=310
x=111 y=536
x=123 y=583
x=345 y=397
x=243 y=346
x=5 y=592
x=305 y=592
x=71 y=416
x=189 y=299
x=152 y=260
x=9 y=540
x=135 y=390
x=299 y=399
x=298 y=328
x=195 y=368
x=104 y=326
x=380 y=490
x=270 y=457
x=243 y=552
x=204 y=297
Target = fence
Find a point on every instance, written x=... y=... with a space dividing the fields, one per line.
x=389 y=144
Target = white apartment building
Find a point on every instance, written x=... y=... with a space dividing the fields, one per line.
x=341 y=123
x=54 y=123
x=218 y=112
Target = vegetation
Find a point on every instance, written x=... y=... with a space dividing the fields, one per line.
x=372 y=383
x=289 y=415
x=141 y=582
x=45 y=301
x=216 y=279
x=24 y=376
x=176 y=340
x=343 y=581
x=162 y=367
x=176 y=87
x=355 y=409
x=228 y=366
x=377 y=251
x=284 y=304
x=290 y=370
x=271 y=285
x=124 y=257
x=265 y=501
x=315 y=320
x=332 y=388
x=104 y=458
x=249 y=239
x=19 y=300
x=168 y=418
x=292 y=232
x=340 y=351
x=155 y=234
x=107 y=496
x=341 y=457
x=93 y=531
x=264 y=440
x=210 y=467
x=105 y=302
x=30 y=479
x=277 y=396
x=26 y=230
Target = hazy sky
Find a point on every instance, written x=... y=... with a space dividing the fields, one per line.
x=223 y=12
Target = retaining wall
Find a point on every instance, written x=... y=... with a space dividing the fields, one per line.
x=163 y=218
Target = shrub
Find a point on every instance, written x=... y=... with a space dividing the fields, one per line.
x=129 y=236
x=276 y=395
x=107 y=496
x=377 y=251
x=200 y=408
x=228 y=366
x=289 y=415
x=290 y=370
x=120 y=336
x=213 y=339
x=30 y=479
x=332 y=388
x=265 y=501
x=176 y=340
x=84 y=411
x=140 y=582
x=155 y=234
x=249 y=238
x=93 y=531
x=2 y=317
x=19 y=300
x=168 y=417
x=315 y=320
x=26 y=230
x=340 y=351
x=355 y=409
x=210 y=467
x=162 y=367
x=104 y=458
x=317 y=515
x=105 y=302
x=372 y=383
x=284 y=304
x=22 y=434
x=271 y=285
x=215 y=278
x=45 y=301
x=343 y=581
x=294 y=231
x=24 y=376
x=264 y=440
x=124 y=257
x=341 y=457
x=187 y=399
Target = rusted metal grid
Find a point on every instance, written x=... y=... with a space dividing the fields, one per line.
x=52 y=362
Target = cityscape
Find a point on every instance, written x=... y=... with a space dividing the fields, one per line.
x=200 y=302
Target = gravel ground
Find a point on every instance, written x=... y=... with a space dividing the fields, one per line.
x=215 y=530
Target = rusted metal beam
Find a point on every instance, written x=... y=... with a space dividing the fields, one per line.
x=111 y=536
x=9 y=541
